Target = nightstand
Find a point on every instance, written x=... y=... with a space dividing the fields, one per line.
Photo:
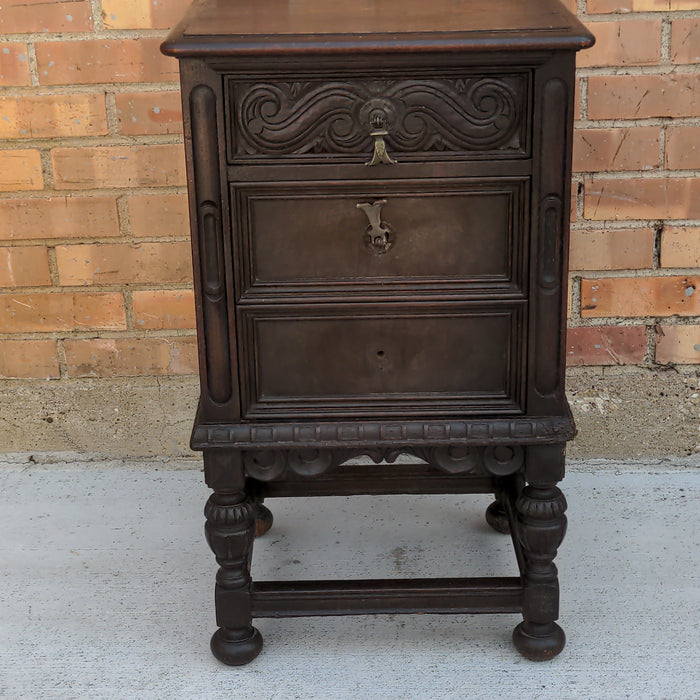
x=379 y=199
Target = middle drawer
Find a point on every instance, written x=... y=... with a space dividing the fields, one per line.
x=464 y=236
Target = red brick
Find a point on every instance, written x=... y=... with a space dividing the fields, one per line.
x=164 y=309
x=21 y=170
x=28 y=359
x=14 y=65
x=149 y=113
x=24 y=16
x=612 y=249
x=52 y=116
x=623 y=43
x=640 y=198
x=602 y=150
x=121 y=263
x=143 y=14
x=607 y=6
x=606 y=345
x=118 y=166
x=685 y=40
x=24 y=267
x=65 y=311
x=640 y=296
x=640 y=96
x=678 y=344
x=680 y=247
x=159 y=215
x=119 y=357
x=103 y=61
x=58 y=217
x=683 y=147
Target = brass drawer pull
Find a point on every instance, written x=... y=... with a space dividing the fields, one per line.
x=379 y=236
x=380 y=154
x=378 y=116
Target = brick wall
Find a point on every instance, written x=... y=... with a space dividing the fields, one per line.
x=94 y=253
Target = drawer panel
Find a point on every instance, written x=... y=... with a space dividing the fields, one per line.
x=370 y=362
x=466 y=114
x=383 y=236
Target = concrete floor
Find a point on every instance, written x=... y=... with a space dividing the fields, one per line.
x=106 y=589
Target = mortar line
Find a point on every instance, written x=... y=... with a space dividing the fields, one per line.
x=666 y=40
x=53 y=265
x=136 y=334
x=62 y=359
x=97 y=19
x=125 y=219
x=41 y=90
x=689 y=69
x=112 y=115
x=46 y=169
x=106 y=141
x=33 y=64
x=650 y=355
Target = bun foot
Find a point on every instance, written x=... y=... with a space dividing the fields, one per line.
x=539 y=642
x=263 y=519
x=234 y=647
x=496 y=517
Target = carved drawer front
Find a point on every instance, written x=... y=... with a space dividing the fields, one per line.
x=377 y=362
x=382 y=237
x=466 y=115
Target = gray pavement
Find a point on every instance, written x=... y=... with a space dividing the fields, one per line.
x=106 y=589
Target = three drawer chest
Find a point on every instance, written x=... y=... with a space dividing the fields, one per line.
x=379 y=200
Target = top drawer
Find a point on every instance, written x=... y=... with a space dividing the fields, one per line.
x=466 y=116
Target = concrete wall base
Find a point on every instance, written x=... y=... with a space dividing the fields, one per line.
x=621 y=412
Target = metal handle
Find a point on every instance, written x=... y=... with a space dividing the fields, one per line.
x=379 y=236
x=380 y=154
x=378 y=116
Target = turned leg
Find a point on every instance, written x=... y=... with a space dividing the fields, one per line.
x=230 y=532
x=541 y=525
x=263 y=519
x=496 y=515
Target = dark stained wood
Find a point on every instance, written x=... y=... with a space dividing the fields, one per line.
x=381 y=361
x=539 y=528
x=221 y=27
x=392 y=596
x=379 y=200
x=530 y=430
x=473 y=113
x=455 y=231
x=213 y=299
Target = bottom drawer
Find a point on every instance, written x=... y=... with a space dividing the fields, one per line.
x=380 y=362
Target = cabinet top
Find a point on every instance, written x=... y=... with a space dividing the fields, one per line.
x=259 y=27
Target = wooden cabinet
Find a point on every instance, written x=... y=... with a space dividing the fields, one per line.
x=379 y=200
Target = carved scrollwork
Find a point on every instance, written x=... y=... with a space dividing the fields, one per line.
x=503 y=459
x=310 y=462
x=264 y=465
x=455 y=459
x=418 y=116
x=268 y=465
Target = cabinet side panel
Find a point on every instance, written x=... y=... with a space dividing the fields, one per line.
x=202 y=107
x=553 y=125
